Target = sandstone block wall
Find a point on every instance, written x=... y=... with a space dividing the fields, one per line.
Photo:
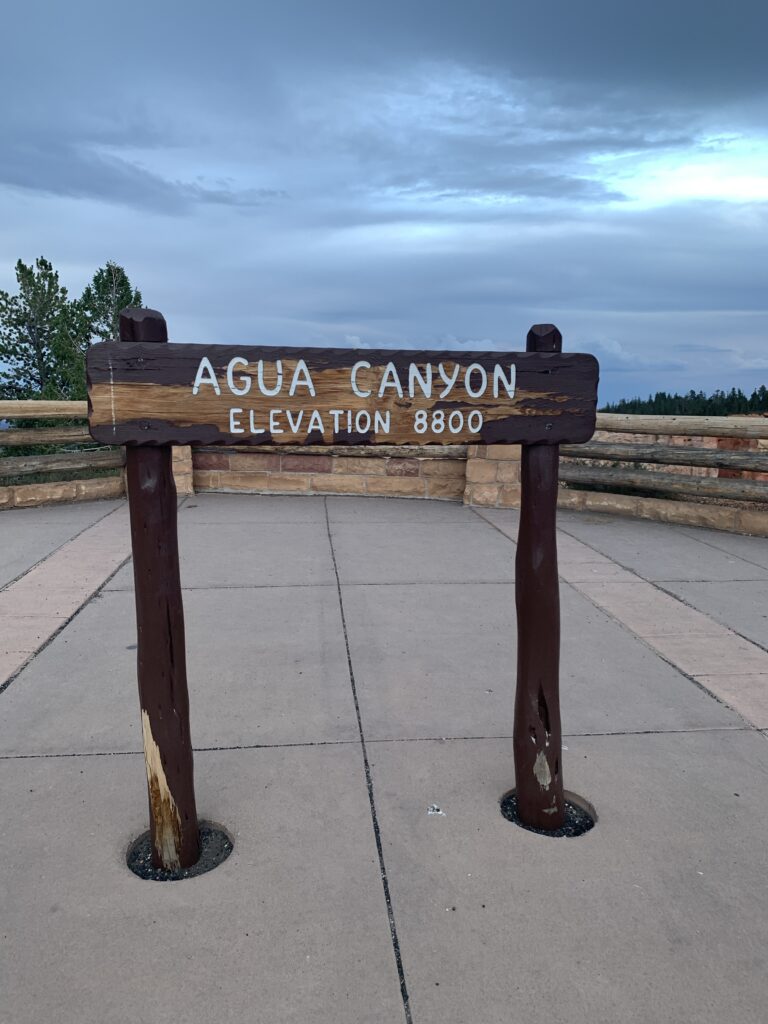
x=493 y=475
x=182 y=470
x=422 y=475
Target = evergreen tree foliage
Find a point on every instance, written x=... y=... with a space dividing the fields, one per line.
x=43 y=337
x=695 y=403
x=108 y=293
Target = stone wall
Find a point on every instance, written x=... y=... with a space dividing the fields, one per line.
x=182 y=470
x=435 y=473
x=487 y=476
x=493 y=475
x=55 y=491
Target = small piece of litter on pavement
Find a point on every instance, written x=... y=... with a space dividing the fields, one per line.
x=434 y=809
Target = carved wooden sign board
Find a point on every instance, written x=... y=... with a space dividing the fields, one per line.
x=153 y=394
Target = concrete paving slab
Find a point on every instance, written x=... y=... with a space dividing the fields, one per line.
x=751 y=549
x=31 y=534
x=576 y=561
x=507 y=520
x=747 y=694
x=24 y=602
x=660 y=551
x=242 y=554
x=421 y=553
x=355 y=509
x=660 y=913
x=711 y=655
x=743 y=606
x=252 y=508
x=12 y=660
x=264 y=666
x=292 y=927
x=440 y=660
x=36 y=606
x=589 y=572
x=646 y=610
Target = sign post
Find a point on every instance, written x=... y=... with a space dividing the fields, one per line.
x=537 y=741
x=149 y=396
x=161 y=656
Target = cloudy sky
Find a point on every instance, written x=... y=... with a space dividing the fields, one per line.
x=406 y=173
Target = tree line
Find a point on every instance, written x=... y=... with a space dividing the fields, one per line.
x=695 y=403
x=45 y=334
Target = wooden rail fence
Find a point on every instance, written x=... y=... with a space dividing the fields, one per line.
x=618 y=467
x=51 y=466
x=732 y=485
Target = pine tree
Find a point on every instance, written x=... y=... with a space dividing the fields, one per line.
x=108 y=293
x=43 y=337
x=695 y=403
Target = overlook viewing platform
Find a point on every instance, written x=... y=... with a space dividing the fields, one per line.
x=351 y=665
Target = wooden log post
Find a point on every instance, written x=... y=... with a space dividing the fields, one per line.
x=537 y=738
x=160 y=626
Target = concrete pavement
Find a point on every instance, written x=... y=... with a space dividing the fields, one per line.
x=351 y=664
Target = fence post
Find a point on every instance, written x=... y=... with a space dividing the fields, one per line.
x=161 y=656
x=537 y=739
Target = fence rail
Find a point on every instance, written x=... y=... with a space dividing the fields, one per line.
x=669 y=455
x=26 y=465
x=728 y=485
x=687 y=426
x=31 y=409
x=664 y=483
x=54 y=471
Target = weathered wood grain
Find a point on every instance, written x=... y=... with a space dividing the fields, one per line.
x=669 y=455
x=32 y=409
x=161 y=655
x=143 y=394
x=537 y=739
x=665 y=483
x=26 y=465
x=14 y=438
x=685 y=426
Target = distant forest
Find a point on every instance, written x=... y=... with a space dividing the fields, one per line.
x=695 y=403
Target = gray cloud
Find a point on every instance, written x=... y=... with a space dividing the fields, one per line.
x=403 y=174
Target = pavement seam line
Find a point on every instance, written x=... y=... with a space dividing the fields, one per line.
x=716 y=547
x=95 y=593
x=493 y=525
x=676 y=597
x=695 y=730
x=647 y=642
x=369 y=785
x=74 y=536
x=659 y=585
x=64 y=623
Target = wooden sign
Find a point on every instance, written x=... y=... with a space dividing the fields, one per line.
x=149 y=395
x=222 y=394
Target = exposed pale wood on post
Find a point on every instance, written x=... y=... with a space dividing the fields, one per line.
x=537 y=738
x=25 y=465
x=14 y=438
x=30 y=409
x=685 y=426
x=673 y=483
x=161 y=656
x=669 y=455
